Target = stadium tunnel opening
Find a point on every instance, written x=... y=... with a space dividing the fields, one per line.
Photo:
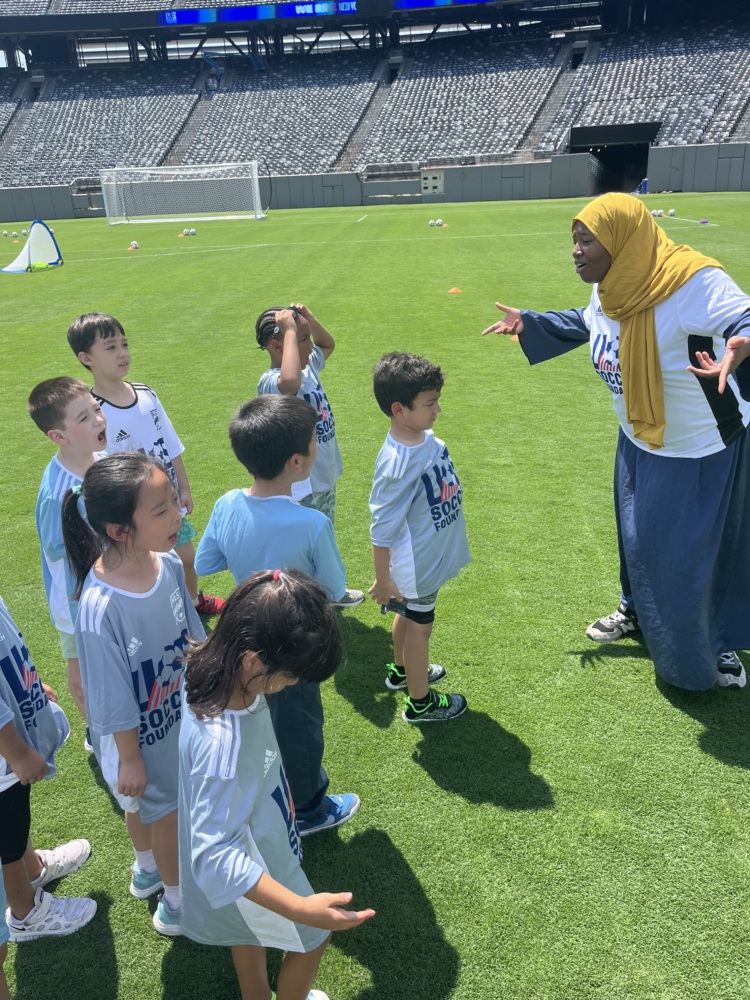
x=621 y=167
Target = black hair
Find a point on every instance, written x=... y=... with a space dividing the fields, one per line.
x=50 y=399
x=84 y=330
x=266 y=431
x=110 y=492
x=265 y=325
x=399 y=378
x=281 y=616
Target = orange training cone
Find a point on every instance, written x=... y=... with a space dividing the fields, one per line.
x=454 y=291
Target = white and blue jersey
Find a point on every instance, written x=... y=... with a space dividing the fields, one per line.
x=328 y=465
x=24 y=703
x=59 y=579
x=130 y=647
x=237 y=821
x=246 y=534
x=417 y=512
x=142 y=426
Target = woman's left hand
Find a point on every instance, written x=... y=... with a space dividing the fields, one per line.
x=738 y=349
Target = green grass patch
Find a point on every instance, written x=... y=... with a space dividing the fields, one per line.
x=582 y=831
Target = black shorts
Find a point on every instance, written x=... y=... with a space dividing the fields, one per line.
x=420 y=610
x=15 y=822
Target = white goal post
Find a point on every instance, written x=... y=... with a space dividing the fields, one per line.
x=182 y=193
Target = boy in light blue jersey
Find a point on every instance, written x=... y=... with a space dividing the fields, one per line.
x=299 y=347
x=418 y=531
x=64 y=410
x=263 y=527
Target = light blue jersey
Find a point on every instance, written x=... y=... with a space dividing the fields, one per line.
x=246 y=534
x=328 y=465
x=130 y=648
x=237 y=821
x=59 y=579
x=24 y=703
x=417 y=512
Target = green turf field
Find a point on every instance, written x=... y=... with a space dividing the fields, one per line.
x=582 y=832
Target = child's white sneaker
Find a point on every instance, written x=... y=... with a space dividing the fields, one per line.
x=62 y=861
x=317 y=995
x=51 y=916
x=165 y=920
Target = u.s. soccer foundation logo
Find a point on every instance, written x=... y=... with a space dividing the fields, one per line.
x=443 y=492
x=604 y=353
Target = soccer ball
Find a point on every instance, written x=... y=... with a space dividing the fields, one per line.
x=660 y=213
x=672 y=213
x=185 y=232
x=438 y=222
x=432 y=222
x=134 y=244
x=24 y=232
x=192 y=232
x=14 y=235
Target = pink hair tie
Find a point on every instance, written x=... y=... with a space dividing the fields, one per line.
x=276 y=575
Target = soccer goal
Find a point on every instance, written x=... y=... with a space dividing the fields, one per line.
x=182 y=193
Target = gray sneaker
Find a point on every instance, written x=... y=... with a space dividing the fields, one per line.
x=614 y=626
x=62 y=861
x=350 y=599
x=729 y=671
x=52 y=916
x=441 y=708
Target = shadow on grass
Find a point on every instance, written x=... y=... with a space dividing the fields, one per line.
x=361 y=679
x=83 y=967
x=98 y=777
x=402 y=947
x=482 y=763
x=630 y=649
x=191 y=969
x=723 y=713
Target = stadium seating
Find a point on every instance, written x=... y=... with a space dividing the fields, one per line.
x=8 y=83
x=295 y=118
x=98 y=118
x=694 y=83
x=24 y=7
x=462 y=98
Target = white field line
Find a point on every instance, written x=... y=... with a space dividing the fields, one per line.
x=697 y=222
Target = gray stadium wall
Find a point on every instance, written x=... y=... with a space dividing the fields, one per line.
x=670 y=168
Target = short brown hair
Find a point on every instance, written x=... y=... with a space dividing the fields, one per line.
x=84 y=330
x=50 y=399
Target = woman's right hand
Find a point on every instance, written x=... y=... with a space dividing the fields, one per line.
x=325 y=910
x=510 y=324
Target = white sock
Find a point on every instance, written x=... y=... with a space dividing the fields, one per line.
x=172 y=896
x=145 y=861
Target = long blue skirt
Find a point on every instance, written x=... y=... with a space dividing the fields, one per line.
x=683 y=527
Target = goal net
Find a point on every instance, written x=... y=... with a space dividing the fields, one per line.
x=182 y=193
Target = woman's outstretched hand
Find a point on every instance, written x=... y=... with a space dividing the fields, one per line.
x=738 y=349
x=510 y=324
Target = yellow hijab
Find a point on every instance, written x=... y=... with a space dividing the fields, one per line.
x=647 y=268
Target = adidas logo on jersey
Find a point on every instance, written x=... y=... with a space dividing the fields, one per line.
x=599 y=311
x=133 y=646
x=122 y=436
x=270 y=758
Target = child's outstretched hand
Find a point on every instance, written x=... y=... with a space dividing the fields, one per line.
x=325 y=910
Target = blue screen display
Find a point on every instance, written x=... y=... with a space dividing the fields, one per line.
x=260 y=12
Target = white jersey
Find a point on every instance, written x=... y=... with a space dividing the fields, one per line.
x=417 y=512
x=130 y=647
x=59 y=579
x=23 y=703
x=237 y=821
x=328 y=466
x=142 y=426
x=699 y=421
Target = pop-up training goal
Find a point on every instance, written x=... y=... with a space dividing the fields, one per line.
x=40 y=252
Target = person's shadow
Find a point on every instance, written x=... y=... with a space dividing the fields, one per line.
x=724 y=715
x=482 y=763
x=361 y=677
x=187 y=963
x=402 y=947
x=57 y=966
x=632 y=648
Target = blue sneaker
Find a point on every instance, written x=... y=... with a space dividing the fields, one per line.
x=144 y=884
x=166 y=921
x=340 y=809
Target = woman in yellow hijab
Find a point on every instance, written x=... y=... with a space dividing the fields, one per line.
x=669 y=334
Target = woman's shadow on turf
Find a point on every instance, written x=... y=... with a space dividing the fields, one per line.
x=361 y=678
x=723 y=713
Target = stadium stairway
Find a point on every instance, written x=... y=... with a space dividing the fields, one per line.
x=192 y=123
x=545 y=116
x=351 y=150
x=742 y=129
